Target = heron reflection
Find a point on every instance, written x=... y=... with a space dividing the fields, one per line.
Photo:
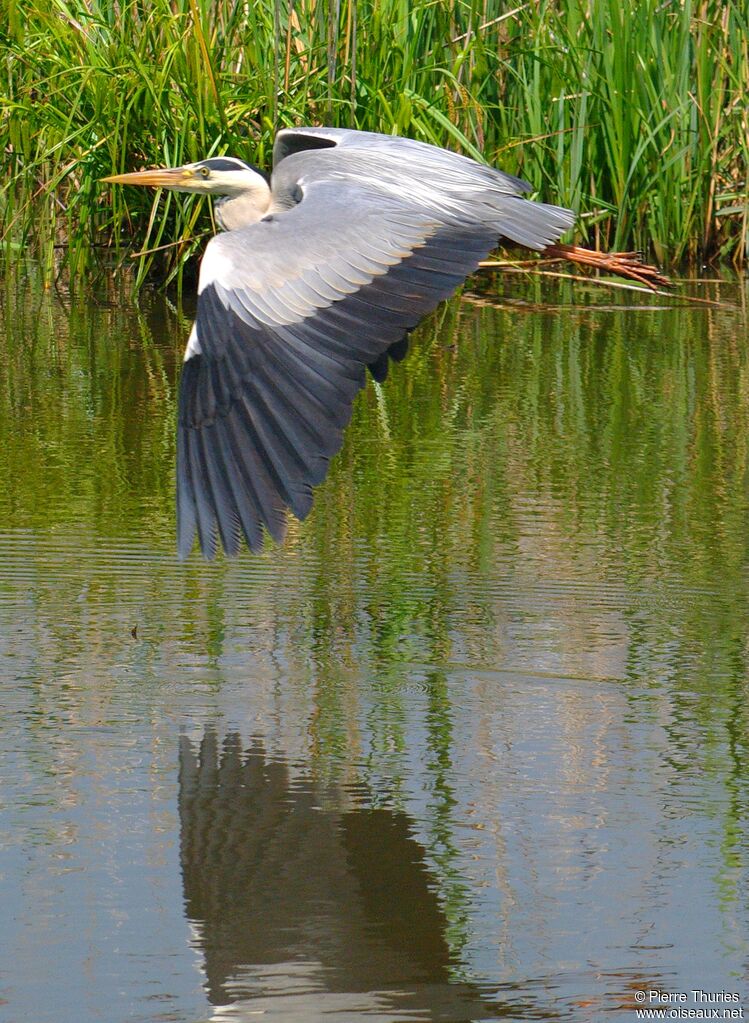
x=303 y=906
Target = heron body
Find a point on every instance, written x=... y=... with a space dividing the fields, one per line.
x=317 y=276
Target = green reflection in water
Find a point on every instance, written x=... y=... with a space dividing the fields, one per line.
x=586 y=441
x=547 y=448
x=582 y=442
x=87 y=403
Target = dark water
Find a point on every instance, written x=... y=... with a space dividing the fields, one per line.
x=472 y=745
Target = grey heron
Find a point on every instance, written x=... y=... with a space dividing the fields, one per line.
x=317 y=277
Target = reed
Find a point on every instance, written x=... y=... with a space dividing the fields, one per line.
x=635 y=117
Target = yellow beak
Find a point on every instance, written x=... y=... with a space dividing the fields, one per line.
x=159 y=178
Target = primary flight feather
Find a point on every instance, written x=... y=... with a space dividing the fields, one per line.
x=316 y=276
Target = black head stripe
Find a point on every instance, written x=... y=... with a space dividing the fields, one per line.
x=223 y=163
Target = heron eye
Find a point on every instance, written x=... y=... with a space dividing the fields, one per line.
x=204 y=172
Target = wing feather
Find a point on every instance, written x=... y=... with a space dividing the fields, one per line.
x=256 y=470
x=221 y=492
x=234 y=456
x=290 y=462
x=205 y=513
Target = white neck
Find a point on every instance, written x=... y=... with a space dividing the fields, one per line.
x=242 y=210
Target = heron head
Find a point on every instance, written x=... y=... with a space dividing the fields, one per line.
x=219 y=175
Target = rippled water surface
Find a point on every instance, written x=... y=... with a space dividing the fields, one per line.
x=472 y=745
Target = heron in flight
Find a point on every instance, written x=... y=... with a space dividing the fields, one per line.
x=316 y=278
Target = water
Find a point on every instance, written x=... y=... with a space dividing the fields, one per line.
x=471 y=745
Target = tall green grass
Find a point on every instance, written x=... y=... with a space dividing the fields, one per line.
x=634 y=116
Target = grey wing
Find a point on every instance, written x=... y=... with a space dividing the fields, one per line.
x=291 y=310
x=296 y=140
x=435 y=180
x=404 y=159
